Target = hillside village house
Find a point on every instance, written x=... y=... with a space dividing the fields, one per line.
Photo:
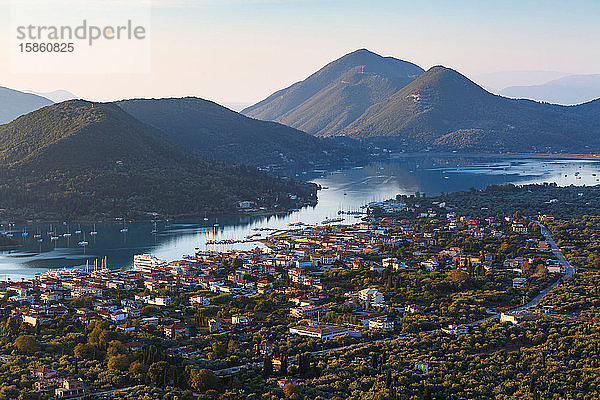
x=241 y=320
x=456 y=330
x=308 y=311
x=518 y=282
x=513 y=318
x=177 y=331
x=43 y=373
x=142 y=297
x=323 y=332
x=161 y=301
x=371 y=296
x=71 y=389
x=200 y=300
x=519 y=228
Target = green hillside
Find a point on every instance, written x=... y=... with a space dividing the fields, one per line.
x=331 y=98
x=217 y=132
x=78 y=159
x=445 y=110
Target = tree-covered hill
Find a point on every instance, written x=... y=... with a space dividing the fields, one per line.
x=444 y=109
x=79 y=159
x=331 y=98
x=391 y=103
x=217 y=132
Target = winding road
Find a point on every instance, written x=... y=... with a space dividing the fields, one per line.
x=564 y=263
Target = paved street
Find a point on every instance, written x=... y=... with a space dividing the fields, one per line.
x=568 y=268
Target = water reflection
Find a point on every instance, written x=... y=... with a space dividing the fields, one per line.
x=59 y=245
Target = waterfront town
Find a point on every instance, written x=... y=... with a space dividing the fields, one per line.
x=210 y=323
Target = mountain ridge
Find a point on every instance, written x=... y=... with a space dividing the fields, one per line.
x=217 y=132
x=568 y=90
x=331 y=98
x=440 y=109
x=84 y=159
x=444 y=109
x=16 y=103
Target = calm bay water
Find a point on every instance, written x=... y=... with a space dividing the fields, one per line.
x=343 y=190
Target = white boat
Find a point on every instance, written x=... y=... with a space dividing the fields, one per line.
x=83 y=243
x=94 y=232
x=332 y=220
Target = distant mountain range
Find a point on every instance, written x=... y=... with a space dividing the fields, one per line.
x=333 y=97
x=439 y=109
x=13 y=104
x=217 y=132
x=496 y=81
x=568 y=90
x=57 y=96
x=79 y=159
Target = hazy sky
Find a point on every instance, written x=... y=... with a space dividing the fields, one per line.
x=241 y=51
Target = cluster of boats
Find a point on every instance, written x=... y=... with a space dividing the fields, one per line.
x=52 y=234
x=229 y=241
x=356 y=214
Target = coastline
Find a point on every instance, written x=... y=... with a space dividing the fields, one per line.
x=272 y=212
x=108 y=220
x=575 y=156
